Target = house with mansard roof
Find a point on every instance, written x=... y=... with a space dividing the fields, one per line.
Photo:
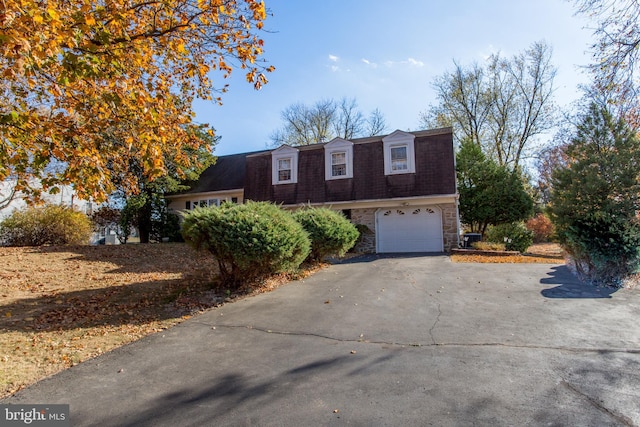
x=401 y=186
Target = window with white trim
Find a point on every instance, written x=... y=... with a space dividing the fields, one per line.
x=202 y=203
x=338 y=164
x=284 y=165
x=399 y=158
x=284 y=169
x=338 y=159
x=399 y=153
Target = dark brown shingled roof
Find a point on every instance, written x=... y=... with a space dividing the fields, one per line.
x=434 y=174
x=227 y=173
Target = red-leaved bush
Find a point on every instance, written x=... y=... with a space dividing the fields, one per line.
x=542 y=228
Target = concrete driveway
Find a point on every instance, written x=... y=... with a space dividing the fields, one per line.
x=379 y=342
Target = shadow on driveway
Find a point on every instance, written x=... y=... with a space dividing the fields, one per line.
x=207 y=401
x=570 y=286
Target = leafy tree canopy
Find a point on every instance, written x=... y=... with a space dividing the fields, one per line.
x=146 y=207
x=490 y=194
x=88 y=86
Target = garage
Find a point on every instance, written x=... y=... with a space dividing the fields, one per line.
x=409 y=229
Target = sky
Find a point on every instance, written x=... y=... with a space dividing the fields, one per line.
x=386 y=55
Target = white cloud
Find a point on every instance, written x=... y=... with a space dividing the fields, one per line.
x=336 y=64
x=369 y=63
x=409 y=61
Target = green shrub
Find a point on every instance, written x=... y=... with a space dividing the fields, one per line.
x=47 y=225
x=330 y=232
x=605 y=248
x=249 y=241
x=515 y=236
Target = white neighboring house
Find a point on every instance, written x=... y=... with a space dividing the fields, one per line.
x=66 y=197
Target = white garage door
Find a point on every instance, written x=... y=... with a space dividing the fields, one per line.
x=415 y=229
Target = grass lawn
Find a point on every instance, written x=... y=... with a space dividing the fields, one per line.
x=60 y=306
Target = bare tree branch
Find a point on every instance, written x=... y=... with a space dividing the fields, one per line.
x=376 y=123
x=8 y=192
x=350 y=121
x=617 y=50
x=325 y=120
x=500 y=107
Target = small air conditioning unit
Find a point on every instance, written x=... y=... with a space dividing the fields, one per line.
x=469 y=238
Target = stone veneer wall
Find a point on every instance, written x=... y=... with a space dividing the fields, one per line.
x=449 y=226
x=367 y=217
x=367 y=243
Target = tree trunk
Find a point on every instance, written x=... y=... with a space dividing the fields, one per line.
x=144 y=220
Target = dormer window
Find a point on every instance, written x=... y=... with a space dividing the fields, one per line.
x=399 y=154
x=338 y=159
x=284 y=169
x=338 y=164
x=399 y=158
x=284 y=165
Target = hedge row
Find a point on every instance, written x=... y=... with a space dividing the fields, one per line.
x=257 y=239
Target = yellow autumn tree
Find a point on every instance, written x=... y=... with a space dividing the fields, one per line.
x=89 y=85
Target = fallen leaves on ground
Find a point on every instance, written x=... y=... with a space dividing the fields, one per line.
x=542 y=253
x=60 y=306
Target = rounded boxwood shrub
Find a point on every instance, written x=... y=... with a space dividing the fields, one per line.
x=330 y=232
x=515 y=236
x=249 y=241
x=47 y=225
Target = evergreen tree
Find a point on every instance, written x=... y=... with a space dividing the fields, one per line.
x=490 y=194
x=595 y=198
